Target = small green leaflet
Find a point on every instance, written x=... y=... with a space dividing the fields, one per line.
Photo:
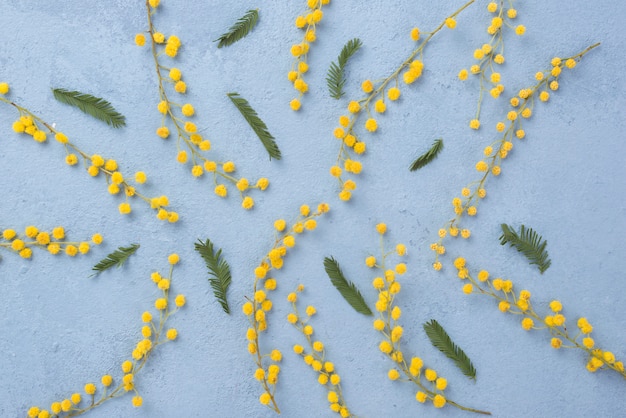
x=347 y=289
x=240 y=29
x=117 y=258
x=428 y=156
x=529 y=243
x=91 y=105
x=218 y=269
x=257 y=125
x=335 y=77
x=442 y=341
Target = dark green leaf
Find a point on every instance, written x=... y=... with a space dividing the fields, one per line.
x=335 y=81
x=91 y=105
x=116 y=258
x=347 y=289
x=349 y=49
x=240 y=29
x=428 y=156
x=257 y=125
x=335 y=78
x=442 y=341
x=219 y=270
x=529 y=243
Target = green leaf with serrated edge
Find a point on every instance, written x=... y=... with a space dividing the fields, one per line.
x=442 y=341
x=116 y=259
x=529 y=243
x=218 y=269
x=428 y=156
x=257 y=125
x=335 y=77
x=347 y=289
x=240 y=29
x=91 y=105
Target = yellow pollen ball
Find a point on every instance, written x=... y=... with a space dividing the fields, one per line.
x=140 y=39
x=295 y=105
x=450 y=23
x=380 y=106
x=393 y=93
x=415 y=34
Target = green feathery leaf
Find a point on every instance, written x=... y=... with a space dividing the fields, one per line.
x=428 y=156
x=257 y=125
x=91 y=105
x=240 y=29
x=116 y=258
x=218 y=269
x=335 y=81
x=442 y=341
x=335 y=78
x=347 y=289
x=349 y=49
x=529 y=243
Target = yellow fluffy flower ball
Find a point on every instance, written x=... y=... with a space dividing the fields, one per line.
x=393 y=93
x=247 y=203
x=140 y=39
x=439 y=401
x=415 y=34
x=371 y=125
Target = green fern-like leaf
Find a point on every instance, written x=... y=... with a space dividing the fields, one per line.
x=347 y=289
x=335 y=77
x=529 y=243
x=335 y=81
x=349 y=49
x=428 y=156
x=257 y=125
x=442 y=341
x=91 y=105
x=219 y=270
x=240 y=29
x=116 y=259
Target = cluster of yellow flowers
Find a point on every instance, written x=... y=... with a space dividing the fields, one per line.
x=327 y=374
x=26 y=125
x=388 y=325
x=555 y=322
x=351 y=145
x=30 y=124
x=53 y=241
x=522 y=106
x=300 y=51
x=491 y=54
x=190 y=143
x=153 y=334
x=257 y=307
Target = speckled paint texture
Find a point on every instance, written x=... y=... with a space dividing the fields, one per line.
x=61 y=329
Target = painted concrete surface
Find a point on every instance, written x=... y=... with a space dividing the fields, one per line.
x=566 y=179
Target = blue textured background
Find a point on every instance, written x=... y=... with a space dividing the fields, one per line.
x=61 y=329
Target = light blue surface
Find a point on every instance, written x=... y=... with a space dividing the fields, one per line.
x=62 y=329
